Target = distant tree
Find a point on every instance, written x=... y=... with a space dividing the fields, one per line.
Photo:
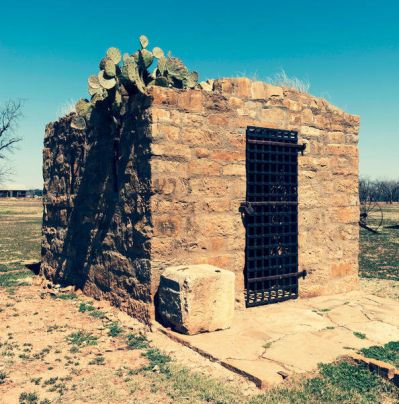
x=388 y=190
x=378 y=190
x=367 y=190
x=10 y=113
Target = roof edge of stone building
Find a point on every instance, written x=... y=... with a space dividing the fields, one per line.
x=245 y=88
x=256 y=89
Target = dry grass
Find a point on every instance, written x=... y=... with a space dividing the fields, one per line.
x=293 y=83
x=379 y=257
x=66 y=108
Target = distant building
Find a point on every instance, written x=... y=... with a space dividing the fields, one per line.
x=13 y=191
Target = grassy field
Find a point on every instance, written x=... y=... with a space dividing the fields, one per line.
x=65 y=348
x=20 y=230
x=379 y=253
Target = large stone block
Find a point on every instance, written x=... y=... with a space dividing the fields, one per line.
x=196 y=298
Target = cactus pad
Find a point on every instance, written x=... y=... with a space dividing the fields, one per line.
x=158 y=52
x=143 y=41
x=106 y=83
x=93 y=82
x=82 y=107
x=192 y=80
x=146 y=57
x=114 y=54
x=128 y=58
x=162 y=65
x=93 y=91
x=78 y=122
x=99 y=97
x=176 y=68
x=130 y=72
x=109 y=68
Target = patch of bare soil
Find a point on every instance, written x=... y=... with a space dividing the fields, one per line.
x=66 y=348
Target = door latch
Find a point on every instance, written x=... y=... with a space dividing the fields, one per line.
x=246 y=208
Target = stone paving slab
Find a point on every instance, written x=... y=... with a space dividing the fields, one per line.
x=269 y=341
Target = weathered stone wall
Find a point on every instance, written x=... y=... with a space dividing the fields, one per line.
x=199 y=180
x=96 y=221
x=173 y=196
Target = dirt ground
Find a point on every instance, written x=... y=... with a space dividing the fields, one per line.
x=57 y=346
x=40 y=355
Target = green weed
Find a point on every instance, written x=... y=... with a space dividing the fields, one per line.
x=81 y=338
x=137 y=341
x=359 y=335
x=25 y=398
x=65 y=296
x=387 y=353
x=3 y=377
x=98 y=360
x=86 y=307
x=114 y=329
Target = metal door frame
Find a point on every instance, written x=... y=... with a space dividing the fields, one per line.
x=270 y=215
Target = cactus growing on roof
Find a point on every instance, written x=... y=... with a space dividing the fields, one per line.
x=119 y=77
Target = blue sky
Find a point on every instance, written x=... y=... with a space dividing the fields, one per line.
x=347 y=50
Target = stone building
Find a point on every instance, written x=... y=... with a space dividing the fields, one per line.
x=214 y=177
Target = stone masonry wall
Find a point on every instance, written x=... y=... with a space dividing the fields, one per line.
x=199 y=180
x=117 y=214
x=96 y=221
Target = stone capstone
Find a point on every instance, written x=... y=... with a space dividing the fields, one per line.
x=196 y=298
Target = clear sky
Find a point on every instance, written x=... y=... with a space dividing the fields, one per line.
x=348 y=51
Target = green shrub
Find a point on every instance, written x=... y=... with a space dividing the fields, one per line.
x=137 y=341
x=387 y=353
x=157 y=360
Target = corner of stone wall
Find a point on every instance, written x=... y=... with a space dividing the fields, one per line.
x=97 y=219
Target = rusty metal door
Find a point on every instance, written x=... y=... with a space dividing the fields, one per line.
x=270 y=214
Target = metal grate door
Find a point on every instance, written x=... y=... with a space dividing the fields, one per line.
x=271 y=216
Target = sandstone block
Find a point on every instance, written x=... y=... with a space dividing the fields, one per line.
x=165 y=133
x=234 y=169
x=167 y=150
x=196 y=298
x=204 y=167
x=159 y=114
x=240 y=87
x=191 y=100
x=261 y=90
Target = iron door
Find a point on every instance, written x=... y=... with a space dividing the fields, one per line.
x=271 y=216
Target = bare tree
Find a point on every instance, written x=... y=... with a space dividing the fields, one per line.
x=367 y=190
x=389 y=190
x=5 y=173
x=10 y=113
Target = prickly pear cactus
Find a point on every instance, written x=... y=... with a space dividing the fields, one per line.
x=119 y=77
